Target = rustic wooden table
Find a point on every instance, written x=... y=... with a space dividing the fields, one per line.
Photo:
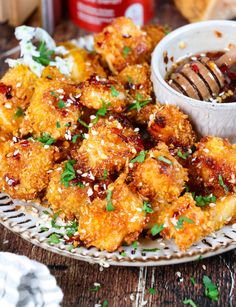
x=123 y=286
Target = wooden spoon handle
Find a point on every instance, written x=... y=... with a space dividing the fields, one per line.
x=228 y=59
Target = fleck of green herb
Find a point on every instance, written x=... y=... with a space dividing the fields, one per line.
x=190 y=302
x=67 y=125
x=193 y=281
x=181 y=220
x=45 y=55
x=61 y=104
x=199 y=258
x=167 y=29
x=44 y=229
x=130 y=80
x=46 y=139
x=157 y=229
x=202 y=201
x=150 y=249
x=140 y=158
x=71 y=229
x=126 y=51
x=101 y=112
x=54 y=94
x=49 y=77
x=138 y=103
x=211 y=290
x=224 y=186
x=58 y=125
x=147 y=207
x=105 y=174
x=74 y=138
x=152 y=291
x=183 y=155
x=96 y=288
x=68 y=173
x=54 y=238
x=135 y=244
x=83 y=123
x=123 y=254
x=80 y=184
x=19 y=113
x=109 y=206
x=46 y=212
x=114 y=92
x=165 y=160
x=105 y=303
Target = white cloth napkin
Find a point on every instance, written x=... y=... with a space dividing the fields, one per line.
x=26 y=283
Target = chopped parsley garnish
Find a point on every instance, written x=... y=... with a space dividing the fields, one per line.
x=114 y=92
x=211 y=290
x=74 y=138
x=101 y=112
x=183 y=155
x=58 y=125
x=150 y=249
x=189 y=301
x=71 y=229
x=140 y=158
x=67 y=125
x=138 y=103
x=46 y=212
x=96 y=288
x=224 y=186
x=19 y=113
x=165 y=160
x=199 y=258
x=46 y=139
x=157 y=229
x=147 y=207
x=202 y=201
x=54 y=238
x=83 y=123
x=105 y=303
x=109 y=206
x=61 y=104
x=126 y=51
x=193 y=281
x=152 y=291
x=181 y=220
x=43 y=229
x=105 y=174
x=135 y=245
x=45 y=55
x=80 y=184
x=68 y=173
x=123 y=254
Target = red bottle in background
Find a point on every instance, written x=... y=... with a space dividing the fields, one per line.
x=93 y=15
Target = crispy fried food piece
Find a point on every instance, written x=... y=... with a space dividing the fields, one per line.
x=160 y=177
x=16 y=90
x=214 y=165
x=109 y=145
x=67 y=199
x=53 y=73
x=107 y=230
x=171 y=126
x=184 y=221
x=53 y=110
x=155 y=33
x=122 y=43
x=97 y=92
x=24 y=168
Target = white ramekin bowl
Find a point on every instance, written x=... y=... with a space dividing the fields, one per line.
x=218 y=119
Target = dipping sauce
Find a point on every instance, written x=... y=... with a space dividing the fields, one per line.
x=207 y=78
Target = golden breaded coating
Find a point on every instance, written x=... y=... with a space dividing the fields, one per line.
x=171 y=126
x=53 y=73
x=96 y=92
x=109 y=144
x=69 y=199
x=184 y=221
x=107 y=230
x=16 y=90
x=53 y=110
x=214 y=165
x=155 y=33
x=25 y=167
x=160 y=177
x=122 y=43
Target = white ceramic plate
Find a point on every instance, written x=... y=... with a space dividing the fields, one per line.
x=25 y=219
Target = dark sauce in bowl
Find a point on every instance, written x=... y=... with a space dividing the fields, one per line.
x=228 y=91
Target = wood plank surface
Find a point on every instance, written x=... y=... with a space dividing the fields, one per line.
x=123 y=286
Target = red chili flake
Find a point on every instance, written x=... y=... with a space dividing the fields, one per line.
x=224 y=68
x=6 y=90
x=195 y=68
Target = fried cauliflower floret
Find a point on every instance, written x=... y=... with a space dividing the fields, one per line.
x=214 y=165
x=184 y=221
x=16 y=90
x=53 y=110
x=160 y=177
x=155 y=33
x=169 y=125
x=68 y=199
x=107 y=230
x=25 y=167
x=109 y=145
x=97 y=92
x=122 y=43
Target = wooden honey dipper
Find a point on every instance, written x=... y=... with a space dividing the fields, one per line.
x=203 y=78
